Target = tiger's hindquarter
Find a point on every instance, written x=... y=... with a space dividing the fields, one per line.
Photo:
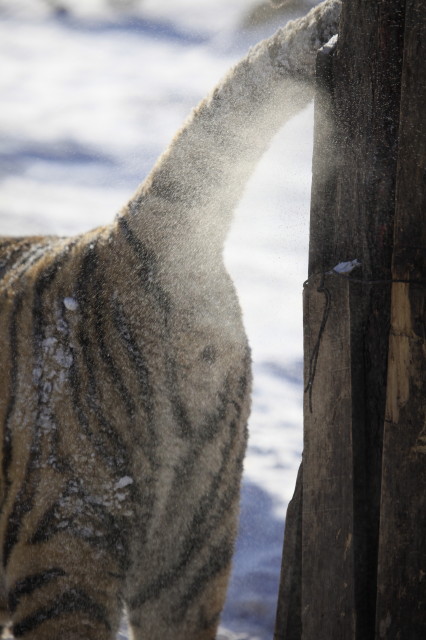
x=203 y=384
x=124 y=399
x=124 y=380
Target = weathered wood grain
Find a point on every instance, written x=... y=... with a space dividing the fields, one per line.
x=288 y=624
x=364 y=470
x=328 y=605
x=401 y=604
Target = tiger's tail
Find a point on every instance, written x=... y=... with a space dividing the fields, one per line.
x=196 y=184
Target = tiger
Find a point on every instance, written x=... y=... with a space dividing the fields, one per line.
x=125 y=377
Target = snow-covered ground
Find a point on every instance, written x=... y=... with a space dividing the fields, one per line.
x=90 y=97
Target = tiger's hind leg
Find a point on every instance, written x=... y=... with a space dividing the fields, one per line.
x=193 y=616
x=62 y=598
x=184 y=600
x=72 y=616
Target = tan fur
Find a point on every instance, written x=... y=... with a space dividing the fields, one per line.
x=125 y=382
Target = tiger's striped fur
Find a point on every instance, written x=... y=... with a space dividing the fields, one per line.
x=125 y=381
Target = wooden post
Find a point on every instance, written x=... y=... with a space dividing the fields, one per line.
x=289 y=610
x=359 y=544
x=401 y=603
x=328 y=605
x=289 y=623
x=364 y=86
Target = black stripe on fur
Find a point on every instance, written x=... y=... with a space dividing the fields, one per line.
x=206 y=519
x=74 y=601
x=147 y=269
x=7 y=435
x=91 y=522
x=106 y=440
x=220 y=559
x=25 y=498
x=32 y=583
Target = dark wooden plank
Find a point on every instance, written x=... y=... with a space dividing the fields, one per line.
x=288 y=621
x=365 y=84
x=288 y=624
x=352 y=216
x=401 y=607
x=328 y=605
x=366 y=80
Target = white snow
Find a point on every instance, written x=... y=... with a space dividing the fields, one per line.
x=87 y=106
x=330 y=44
x=123 y=482
x=71 y=304
x=346 y=266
